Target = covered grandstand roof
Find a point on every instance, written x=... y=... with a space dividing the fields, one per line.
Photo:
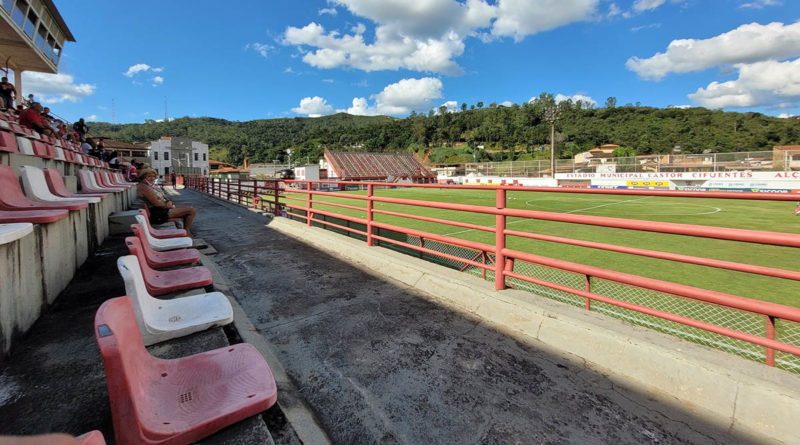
x=376 y=166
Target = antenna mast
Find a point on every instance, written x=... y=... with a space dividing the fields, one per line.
x=113 y=114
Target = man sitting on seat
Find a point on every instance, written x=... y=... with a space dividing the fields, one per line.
x=161 y=209
x=32 y=118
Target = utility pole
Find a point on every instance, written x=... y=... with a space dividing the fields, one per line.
x=551 y=115
x=113 y=112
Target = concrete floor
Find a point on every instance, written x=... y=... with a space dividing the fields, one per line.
x=378 y=362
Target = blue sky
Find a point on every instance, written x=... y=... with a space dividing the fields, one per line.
x=245 y=60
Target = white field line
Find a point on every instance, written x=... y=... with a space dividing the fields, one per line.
x=571 y=211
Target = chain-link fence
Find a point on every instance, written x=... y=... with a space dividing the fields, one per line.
x=778 y=160
x=742 y=321
x=787 y=332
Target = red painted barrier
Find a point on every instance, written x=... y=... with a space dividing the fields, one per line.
x=303 y=200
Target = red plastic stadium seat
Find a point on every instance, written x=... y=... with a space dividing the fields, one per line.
x=12 y=197
x=156 y=401
x=8 y=142
x=92 y=438
x=158 y=260
x=100 y=180
x=160 y=282
x=56 y=185
x=43 y=150
x=33 y=216
x=161 y=233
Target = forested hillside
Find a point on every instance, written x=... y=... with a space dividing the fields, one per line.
x=518 y=132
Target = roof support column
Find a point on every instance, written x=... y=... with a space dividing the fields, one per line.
x=18 y=86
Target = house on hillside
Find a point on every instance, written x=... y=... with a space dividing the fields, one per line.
x=602 y=152
x=389 y=167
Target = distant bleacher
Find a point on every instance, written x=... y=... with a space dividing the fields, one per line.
x=389 y=167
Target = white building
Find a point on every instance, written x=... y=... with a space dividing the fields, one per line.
x=181 y=156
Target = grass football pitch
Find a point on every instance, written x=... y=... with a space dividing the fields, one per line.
x=745 y=214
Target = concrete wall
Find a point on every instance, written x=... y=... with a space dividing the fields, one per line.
x=36 y=268
x=740 y=395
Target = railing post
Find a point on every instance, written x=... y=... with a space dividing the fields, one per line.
x=369 y=214
x=309 y=215
x=276 y=191
x=588 y=288
x=771 y=336
x=500 y=241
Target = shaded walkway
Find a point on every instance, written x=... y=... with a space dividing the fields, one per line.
x=380 y=363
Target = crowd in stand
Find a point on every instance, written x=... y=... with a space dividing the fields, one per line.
x=33 y=115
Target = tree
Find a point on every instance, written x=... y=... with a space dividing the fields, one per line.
x=464 y=106
x=480 y=104
x=611 y=102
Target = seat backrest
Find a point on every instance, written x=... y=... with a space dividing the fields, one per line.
x=137 y=247
x=55 y=182
x=131 y=271
x=12 y=192
x=42 y=149
x=35 y=184
x=145 y=225
x=128 y=364
x=59 y=153
x=8 y=142
x=24 y=145
x=139 y=233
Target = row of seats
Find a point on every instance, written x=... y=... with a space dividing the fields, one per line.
x=17 y=139
x=182 y=400
x=43 y=198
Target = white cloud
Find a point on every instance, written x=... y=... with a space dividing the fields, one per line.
x=361 y=108
x=506 y=103
x=768 y=83
x=451 y=105
x=746 y=44
x=647 y=5
x=157 y=70
x=138 y=68
x=408 y=94
x=586 y=100
x=519 y=18
x=55 y=88
x=786 y=115
x=91 y=118
x=327 y=80
x=613 y=10
x=323 y=11
x=313 y=107
x=650 y=26
x=427 y=35
x=759 y=4
x=158 y=80
x=400 y=98
x=261 y=48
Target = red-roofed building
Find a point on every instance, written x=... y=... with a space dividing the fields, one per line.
x=390 y=167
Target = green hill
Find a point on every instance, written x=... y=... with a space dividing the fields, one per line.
x=517 y=132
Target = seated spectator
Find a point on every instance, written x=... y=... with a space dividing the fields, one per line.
x=131 y=172
x=86 y=147
x=32 y=118
x=113 y=159
x=161 y=208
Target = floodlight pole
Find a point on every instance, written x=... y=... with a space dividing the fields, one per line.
x=551 y=115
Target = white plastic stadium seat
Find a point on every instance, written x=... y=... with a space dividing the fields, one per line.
x=161 y=320
x=161 y=245
x=24 y=145
x=12 y=232
x=35 y=186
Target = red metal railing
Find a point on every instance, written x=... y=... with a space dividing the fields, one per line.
x=301 y=200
